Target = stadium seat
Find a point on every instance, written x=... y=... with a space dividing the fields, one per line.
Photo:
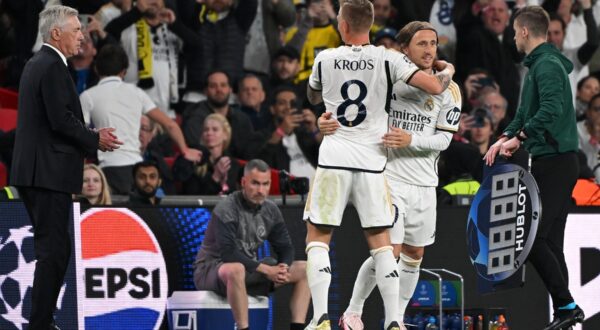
x=8 y=119
x=3 y=175
x=8 y=98
x=170 y=161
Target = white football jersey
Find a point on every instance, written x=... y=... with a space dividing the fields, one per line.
x=356 y=84
x=421 y=114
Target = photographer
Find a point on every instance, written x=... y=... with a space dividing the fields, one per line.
x=478 y=83
x=294 y=139
x=482 y=131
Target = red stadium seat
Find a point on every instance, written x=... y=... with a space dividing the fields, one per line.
x=8 y=98
x=275 y=190
x=170 y=161
x=3 y=175
x=8 y=119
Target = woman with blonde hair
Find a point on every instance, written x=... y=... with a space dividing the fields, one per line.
x=218 y=172
x=95 y=187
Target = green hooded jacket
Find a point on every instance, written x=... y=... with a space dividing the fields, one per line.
x=546 y=114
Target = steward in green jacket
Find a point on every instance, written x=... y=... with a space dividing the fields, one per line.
x=546 y=114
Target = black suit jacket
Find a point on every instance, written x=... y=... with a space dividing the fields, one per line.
x=51 y=139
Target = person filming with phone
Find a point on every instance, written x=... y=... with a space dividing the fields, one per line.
x=293 y=138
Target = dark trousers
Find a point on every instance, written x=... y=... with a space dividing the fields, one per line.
x=556 y=176
x=49 y=213
x=120 y=179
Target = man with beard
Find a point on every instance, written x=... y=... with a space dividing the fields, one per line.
x=284 y=69
x=147 y=181
x=228 y=263
x=245 y=142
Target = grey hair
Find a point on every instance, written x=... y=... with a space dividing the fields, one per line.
x=54 y=17
x=258 y=164
x=504 y=101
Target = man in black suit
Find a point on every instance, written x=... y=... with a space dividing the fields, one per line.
x=50 y=145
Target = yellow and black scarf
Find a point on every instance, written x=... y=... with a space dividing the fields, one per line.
x=144 y=54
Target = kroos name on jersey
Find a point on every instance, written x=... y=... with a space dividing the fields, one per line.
x=353 y=65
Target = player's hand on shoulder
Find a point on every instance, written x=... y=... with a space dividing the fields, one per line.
x=443 y=65
x=327 y=124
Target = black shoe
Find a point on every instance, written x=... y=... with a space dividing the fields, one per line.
x=565 y=318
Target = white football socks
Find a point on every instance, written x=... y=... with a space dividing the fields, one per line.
x=364 y=284
x=318 y=273
x=387 y=277
x=409 y=276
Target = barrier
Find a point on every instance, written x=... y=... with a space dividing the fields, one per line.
x=178 y=232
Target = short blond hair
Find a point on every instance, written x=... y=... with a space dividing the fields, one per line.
x=535 y=19
x=358 y=13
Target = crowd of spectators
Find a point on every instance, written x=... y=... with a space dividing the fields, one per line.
x=194 y=88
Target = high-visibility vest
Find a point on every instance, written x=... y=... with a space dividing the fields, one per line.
x=9 y=193
x=467 y=187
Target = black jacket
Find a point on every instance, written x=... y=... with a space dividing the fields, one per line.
x=478 y=47
x=194 y=184
x=224 y=42
x=276 y=154
x=51 y=138
x=245 y=142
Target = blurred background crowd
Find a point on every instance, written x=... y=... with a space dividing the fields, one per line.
x=227 y=79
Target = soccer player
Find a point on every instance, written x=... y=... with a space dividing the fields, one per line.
x=355 y=83
x=421 y=125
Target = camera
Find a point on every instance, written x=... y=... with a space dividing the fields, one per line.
x=295 y=106
x=479 y=116
x=289 y=185
x=486 y=81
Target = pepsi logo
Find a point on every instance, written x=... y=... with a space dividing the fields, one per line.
x=122 y=275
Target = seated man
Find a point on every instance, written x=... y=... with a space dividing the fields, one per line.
x=227 y=262
x=146 y=178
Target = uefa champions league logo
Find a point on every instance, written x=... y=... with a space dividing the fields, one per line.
x=16 y=279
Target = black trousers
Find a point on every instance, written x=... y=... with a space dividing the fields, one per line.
x=49 y=212
x=120 y=179
x=556 y=176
